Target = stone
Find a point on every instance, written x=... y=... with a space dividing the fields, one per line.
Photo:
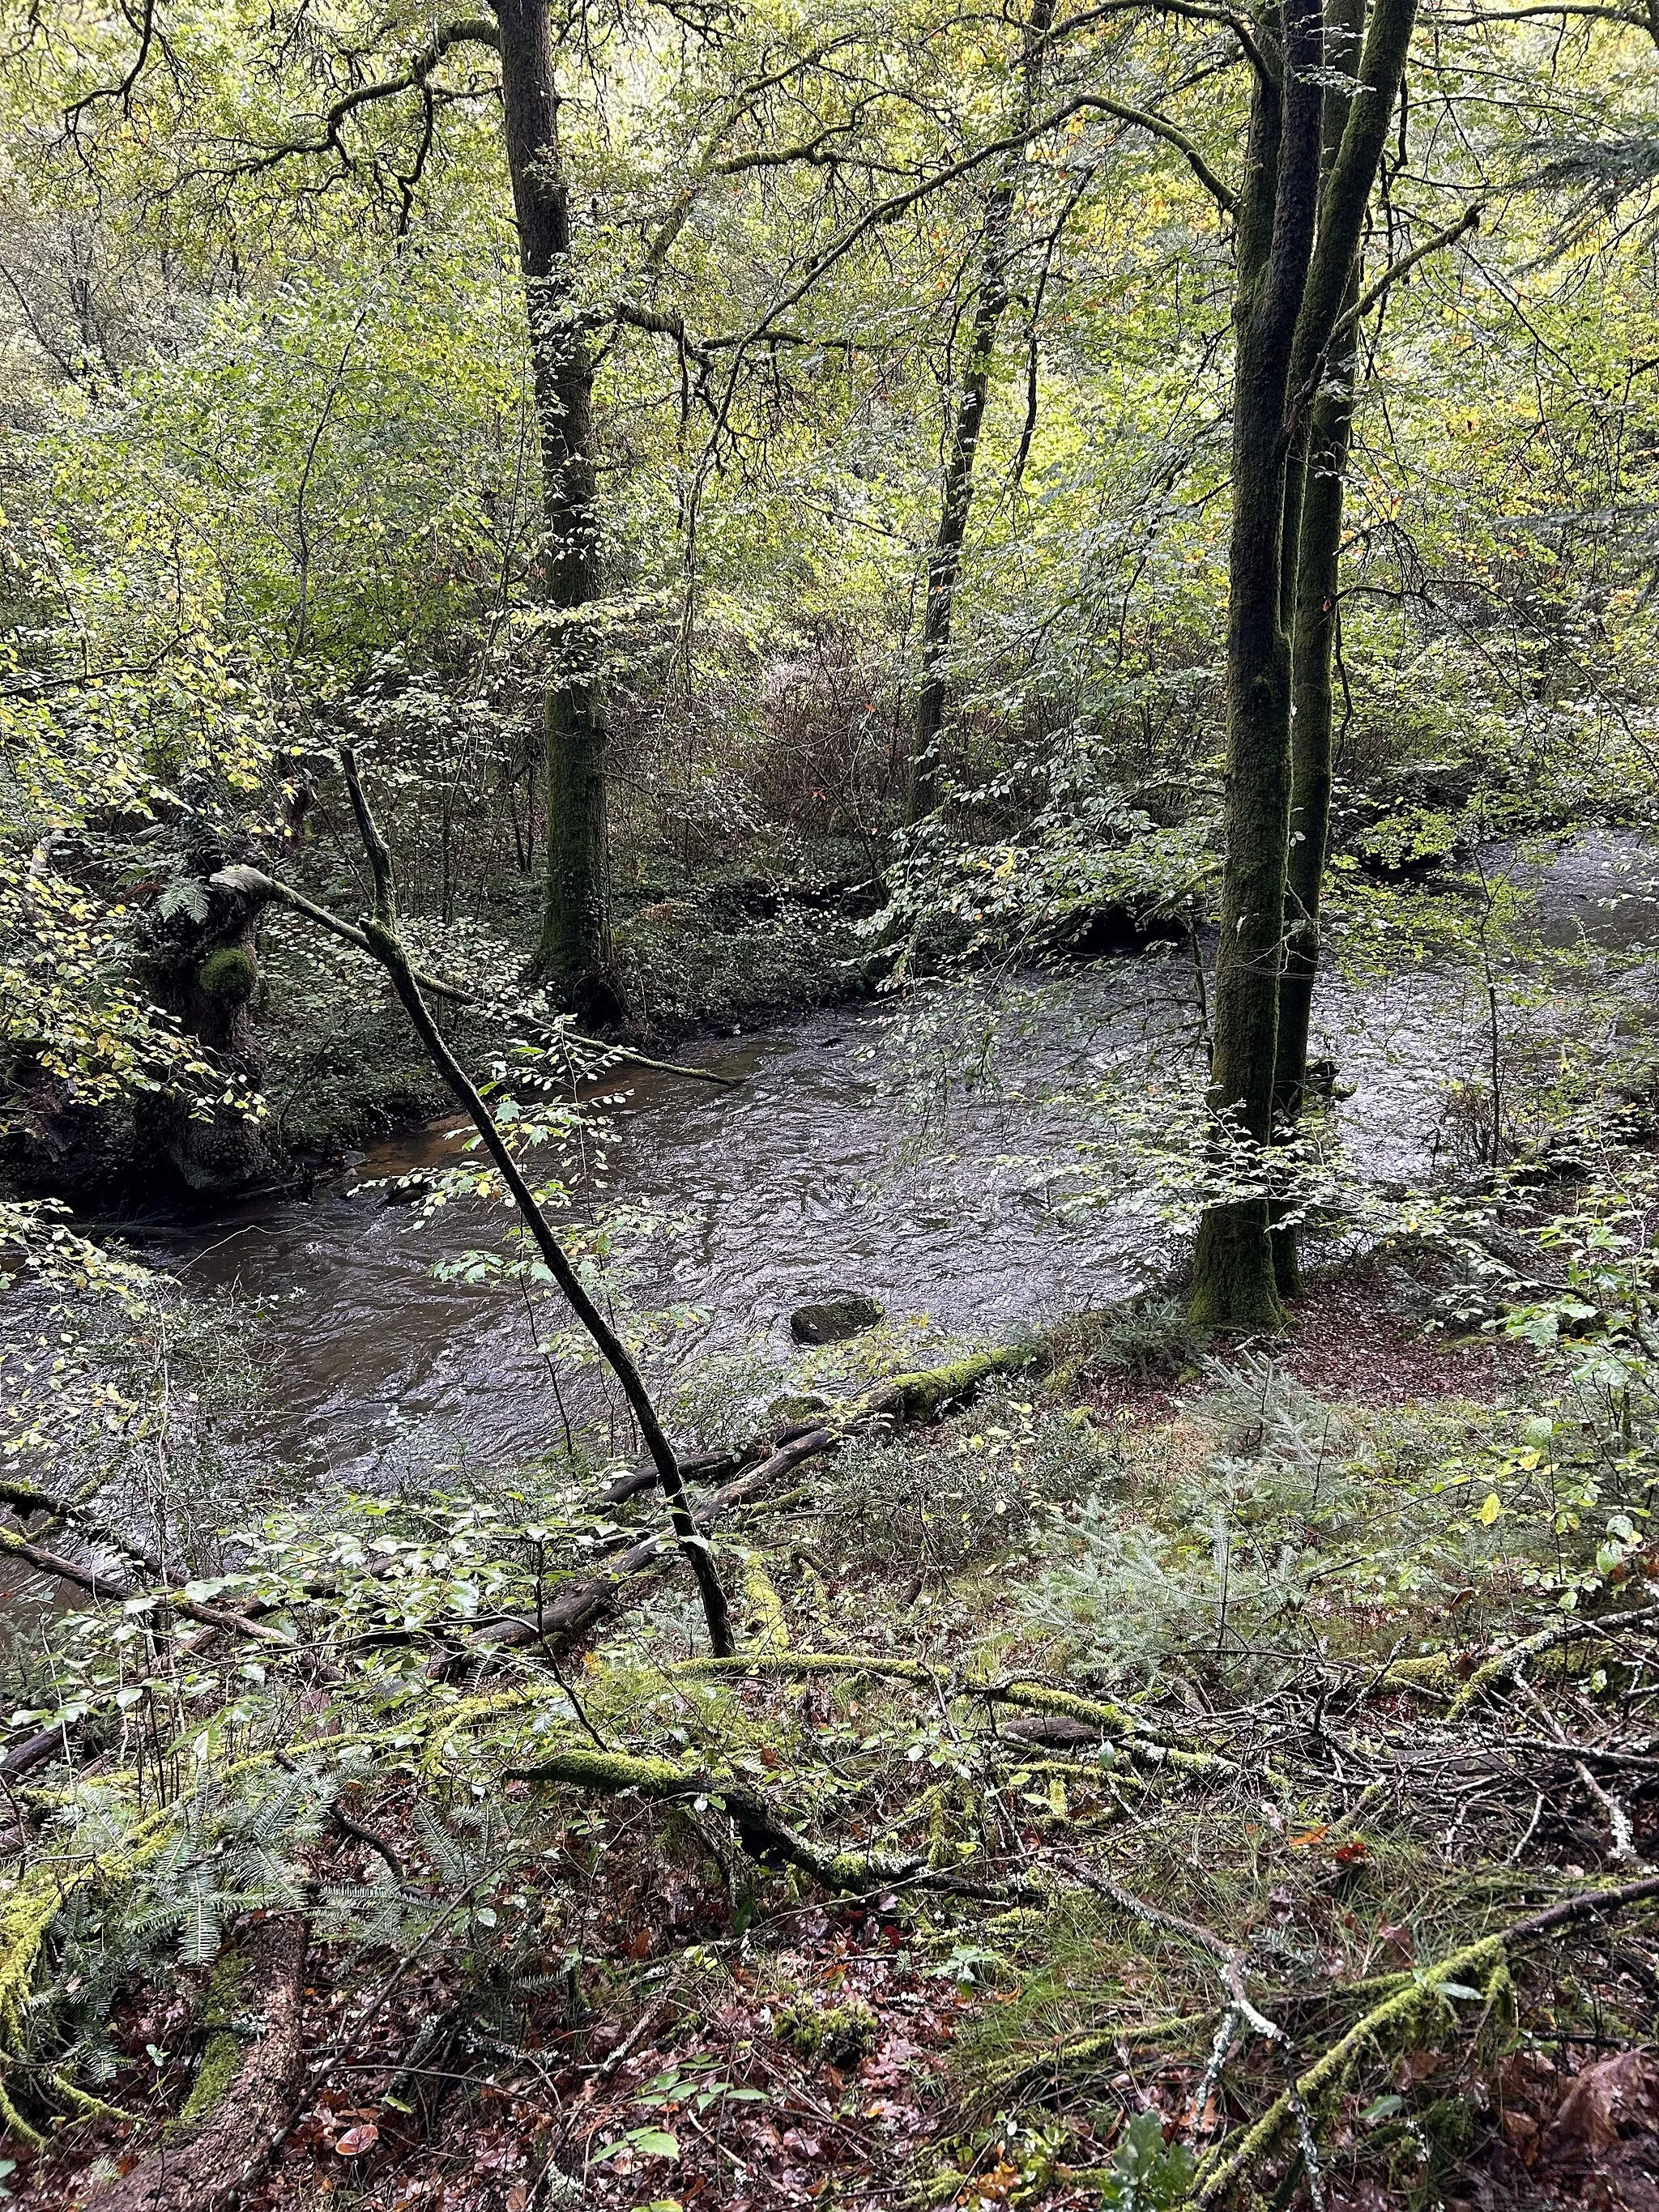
x=837 y=1315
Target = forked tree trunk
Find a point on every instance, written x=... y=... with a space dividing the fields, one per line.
x=1233 y=1275
x=1286 y=259
x=572 y=953
x=944 y=563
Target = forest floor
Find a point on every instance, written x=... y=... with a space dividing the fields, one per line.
x=660 y=2021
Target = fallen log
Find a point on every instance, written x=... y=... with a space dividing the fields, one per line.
x=241 y=2105
x=920 y=1395
x=104 y=1586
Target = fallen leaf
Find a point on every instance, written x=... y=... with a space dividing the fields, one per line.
x=1519 y=2132
x=355 y=2141
x=1615 y=2097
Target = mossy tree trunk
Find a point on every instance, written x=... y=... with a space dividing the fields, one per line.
x=572 y=952
x=1301 y=218
x=1312 y=644
x=966 y=420
x=1308 y=582
x=201 y=962
x=1233 y=1275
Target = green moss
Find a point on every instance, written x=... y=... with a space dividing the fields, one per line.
x=213 y=2077
x=768 y=1625
x=840 y=2034
x=229 y=973
x=226 y=1990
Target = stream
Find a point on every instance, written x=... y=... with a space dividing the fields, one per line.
x=803 y=1178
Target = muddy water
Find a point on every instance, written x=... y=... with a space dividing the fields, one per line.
x=811 y=1173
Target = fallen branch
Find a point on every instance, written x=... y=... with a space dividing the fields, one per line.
x=244 y=2085
x=763 y=1834
x=1546 y=1639
x=1131 y=1736
x=580 y=1606
x=1435 y=1672
x=24 y=1499
x=1475 y=1963
x=102 y=1586
x=1241 y=2013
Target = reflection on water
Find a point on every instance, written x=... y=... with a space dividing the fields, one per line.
x=794 y=1182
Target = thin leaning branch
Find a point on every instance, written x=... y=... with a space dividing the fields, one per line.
x=380 y=934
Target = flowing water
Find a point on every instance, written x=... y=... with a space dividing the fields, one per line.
x=805 y=1176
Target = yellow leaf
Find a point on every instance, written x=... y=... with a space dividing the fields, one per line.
x=1490 y=1510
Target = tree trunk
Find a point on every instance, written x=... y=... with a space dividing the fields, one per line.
x=1298 y=250
x=945 y=564
x=1313 y=537
x=572 y=954
x=202 y=960
x=1313 y=638
x=1233 y=1275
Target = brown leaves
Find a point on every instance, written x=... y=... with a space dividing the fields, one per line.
x=1611 y=2098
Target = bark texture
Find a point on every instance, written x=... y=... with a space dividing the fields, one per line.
x=574 y=949
x=1313 y=538
x=1302 y=219
x=215 y=2160
x=1233 y=1272
x=968 y=417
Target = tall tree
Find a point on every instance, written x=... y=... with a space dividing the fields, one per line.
x=1313 y=540
x=1299 y=232
x=572 y=953
x=967 y=418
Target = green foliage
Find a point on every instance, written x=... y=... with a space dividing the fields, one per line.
x=1148 y=2174
x=979 y=1490
x=1294 y=1525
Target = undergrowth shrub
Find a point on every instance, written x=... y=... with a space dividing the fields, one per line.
x=1145 y=1337
x=971 y=1490
x=1299 y=1533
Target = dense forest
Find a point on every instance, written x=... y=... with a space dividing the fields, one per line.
x=829 y=1104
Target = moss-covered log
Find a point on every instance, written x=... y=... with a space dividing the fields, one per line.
x=242 y=2099
x=763 y=1833
x=1131 y=1736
